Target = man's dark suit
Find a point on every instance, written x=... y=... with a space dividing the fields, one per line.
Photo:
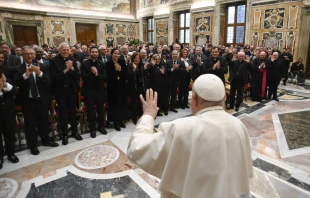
x=34 y=109
x=107 y=58
x=173 y=79
x=7 y=116
x=286 y=64
x=276 y=71
x=207 y=67
x=93 y=89
x=238 y=77
x=12 y=60
x=65 y=87
x=196 y=71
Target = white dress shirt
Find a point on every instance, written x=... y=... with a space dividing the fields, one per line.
x=34 y=75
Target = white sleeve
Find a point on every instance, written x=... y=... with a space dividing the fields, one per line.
x=147 y=149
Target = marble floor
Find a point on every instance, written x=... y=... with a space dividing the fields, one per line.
x=279 y=134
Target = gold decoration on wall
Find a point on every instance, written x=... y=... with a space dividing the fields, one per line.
x=256 y=19
x=292 y=17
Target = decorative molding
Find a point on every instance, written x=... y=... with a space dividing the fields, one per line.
x=293 y=17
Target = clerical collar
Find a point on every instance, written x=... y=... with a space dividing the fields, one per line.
x=213 y=108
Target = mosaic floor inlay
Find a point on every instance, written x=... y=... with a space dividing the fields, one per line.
x=97 y=157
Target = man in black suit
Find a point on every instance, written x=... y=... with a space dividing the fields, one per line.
x=197 y=59
x=7 y=114
x=173 y=78
x=34 y=96
x=276 y=73
x=215 y=64
x=103 y=56
x=124 y=54
x=94 y=76
x=65 y=86
x=9 y=59
x=238 y=77
x=287 y=59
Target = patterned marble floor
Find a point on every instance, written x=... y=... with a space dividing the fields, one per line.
x=279 y=134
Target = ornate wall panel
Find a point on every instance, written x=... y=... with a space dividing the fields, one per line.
x=292 y=17
x=256 y=19
x=57 y=30
x=279 y=24
x=161 y=31
x=175 y=26
x=117 y=32
x=202 y=27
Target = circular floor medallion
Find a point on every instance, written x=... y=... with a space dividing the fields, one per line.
x=8 y=187
x=97 y=157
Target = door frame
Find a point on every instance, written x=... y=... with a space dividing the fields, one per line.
x=99 y=29
x=10 y=34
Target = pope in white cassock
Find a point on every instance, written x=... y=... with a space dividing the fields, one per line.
x=207 y=155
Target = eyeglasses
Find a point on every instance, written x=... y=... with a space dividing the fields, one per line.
x=27 y=54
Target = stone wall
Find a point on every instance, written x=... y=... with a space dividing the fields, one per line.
x=54 y=30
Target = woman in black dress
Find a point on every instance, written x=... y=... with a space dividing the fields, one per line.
x=117 y=73
x=185 y=81
x=157 y=83
x=135 y=85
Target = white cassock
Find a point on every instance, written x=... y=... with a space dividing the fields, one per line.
x=203 y=156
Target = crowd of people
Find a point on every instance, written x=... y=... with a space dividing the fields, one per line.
x=32 y=76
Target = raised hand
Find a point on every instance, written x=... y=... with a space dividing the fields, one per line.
x=36 y=69
x=150 y=104
x=29 y=70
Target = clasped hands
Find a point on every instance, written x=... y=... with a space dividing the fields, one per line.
x=2 y=82
x=217 y=65
x=94 y=70
x=150 y=104
x=117 y=67
x=33 y=68
x=69 y=65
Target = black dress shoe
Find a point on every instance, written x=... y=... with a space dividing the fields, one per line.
x=134 y=120
x=1 y=163
x=237 y=109
x=174 y=110
x=159 y=114
x=76 y=136
x=186 y=106
x=13 y=159
x=117 y=127
x=102 y=130
x=166 y=113
x=50 y=143
x=64 y=139
x=92 y=133
x=34 y=151
x=123 y=125
x=181 y=107
x=276 y=99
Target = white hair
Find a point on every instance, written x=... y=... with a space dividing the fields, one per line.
x=102 y=46
x=63 y=44
x=142 y=50
x=241 y=53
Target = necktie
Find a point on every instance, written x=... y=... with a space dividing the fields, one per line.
x=6 y=61
x=33 y=87
x=174 y=62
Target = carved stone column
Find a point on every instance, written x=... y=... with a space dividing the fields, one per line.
x=247 y=38
x=216 y=29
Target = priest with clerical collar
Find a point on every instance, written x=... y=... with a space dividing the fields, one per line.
x=204 y=155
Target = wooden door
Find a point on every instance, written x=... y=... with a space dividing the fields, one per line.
x=25 y=35
x=85 y=33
